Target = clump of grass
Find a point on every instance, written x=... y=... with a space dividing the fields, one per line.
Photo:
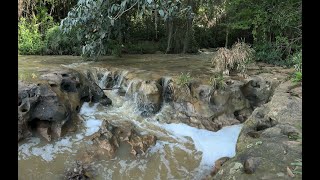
x=298 y=164
x=297 y=59
x=184 y=79
x=235 y=58
x=217 y=81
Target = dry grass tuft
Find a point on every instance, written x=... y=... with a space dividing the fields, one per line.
x=235 y=58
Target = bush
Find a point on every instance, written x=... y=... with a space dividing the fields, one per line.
x=217 y=81
x=29 y=37
x=235 y=58
x=58 y=43
x=184 y=79
x=267 y=52
x=142 y=47
x=297 y=60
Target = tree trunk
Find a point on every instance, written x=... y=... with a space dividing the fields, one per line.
x=156 y=20
x=227 y=36
x=20 y=8
x=170 y=32
x=187 y=36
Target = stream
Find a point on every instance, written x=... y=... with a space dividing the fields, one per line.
x=181 y=151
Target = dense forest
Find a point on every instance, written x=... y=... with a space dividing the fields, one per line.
x=92 y=28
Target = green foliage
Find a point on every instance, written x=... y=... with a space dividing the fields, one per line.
x=59 y=43
x=297 y=77
x=142 y=47
x=217 y=81
x=184 y=79
x=276 y=27
x=267 y=52
x=297 y=60
x=298 y=166
x=29 y=37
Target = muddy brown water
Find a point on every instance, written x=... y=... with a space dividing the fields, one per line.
x=173 y=157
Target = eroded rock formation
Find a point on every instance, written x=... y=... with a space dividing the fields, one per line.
x=109 y=138
x=270 y=140
x=46 y=106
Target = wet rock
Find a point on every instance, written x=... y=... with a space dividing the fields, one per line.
x=259 y=89
x=237 y=167
x=254 y=134
x=218 y=164
x=80 y=171
x=168 y=89
x=276 y=122
x=140 y=144
x=149 y=98
x=46 y=106
x=111 y=135
x=251 y=164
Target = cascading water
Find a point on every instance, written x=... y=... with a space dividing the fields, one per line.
x=102 y=82
x=181 y=151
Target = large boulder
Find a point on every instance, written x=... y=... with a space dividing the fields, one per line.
x=149 y=98
x=270 y=144
x=56 y=99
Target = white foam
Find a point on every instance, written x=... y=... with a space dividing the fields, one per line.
x=92 y=126
x=46 y=152
x=213 y=145
x=88 y=110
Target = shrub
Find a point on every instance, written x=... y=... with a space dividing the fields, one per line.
x=235 y=58
x=217 y=81
x=29 y=37
x=267 y=52
x=297 y=60
x=184 y=79
x=58 y=43
x=142 y=47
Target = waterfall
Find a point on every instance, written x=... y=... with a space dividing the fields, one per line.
x=120 y=78
x=167 y=92
x=102 y=82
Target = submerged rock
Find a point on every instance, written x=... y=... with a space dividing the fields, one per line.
x=110 y=137
x=80 y=171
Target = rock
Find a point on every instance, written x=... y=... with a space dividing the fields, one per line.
x=46 y=106
x=218 y=164
x=251 y=164
x=236 y=168
x=259 y=89
x=149 y=98
x=111 y=135
x=80 y=171
x=253 y=134
x=275 y=121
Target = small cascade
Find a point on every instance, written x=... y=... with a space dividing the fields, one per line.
x=120 y=78
x=167 y=92
x=103 y=81
x=132 y=87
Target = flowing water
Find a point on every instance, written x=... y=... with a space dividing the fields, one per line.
x=181 y=151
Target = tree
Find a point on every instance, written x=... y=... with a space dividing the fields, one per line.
x=99 y=21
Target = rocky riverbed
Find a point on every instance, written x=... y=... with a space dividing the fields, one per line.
x=135 y=112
